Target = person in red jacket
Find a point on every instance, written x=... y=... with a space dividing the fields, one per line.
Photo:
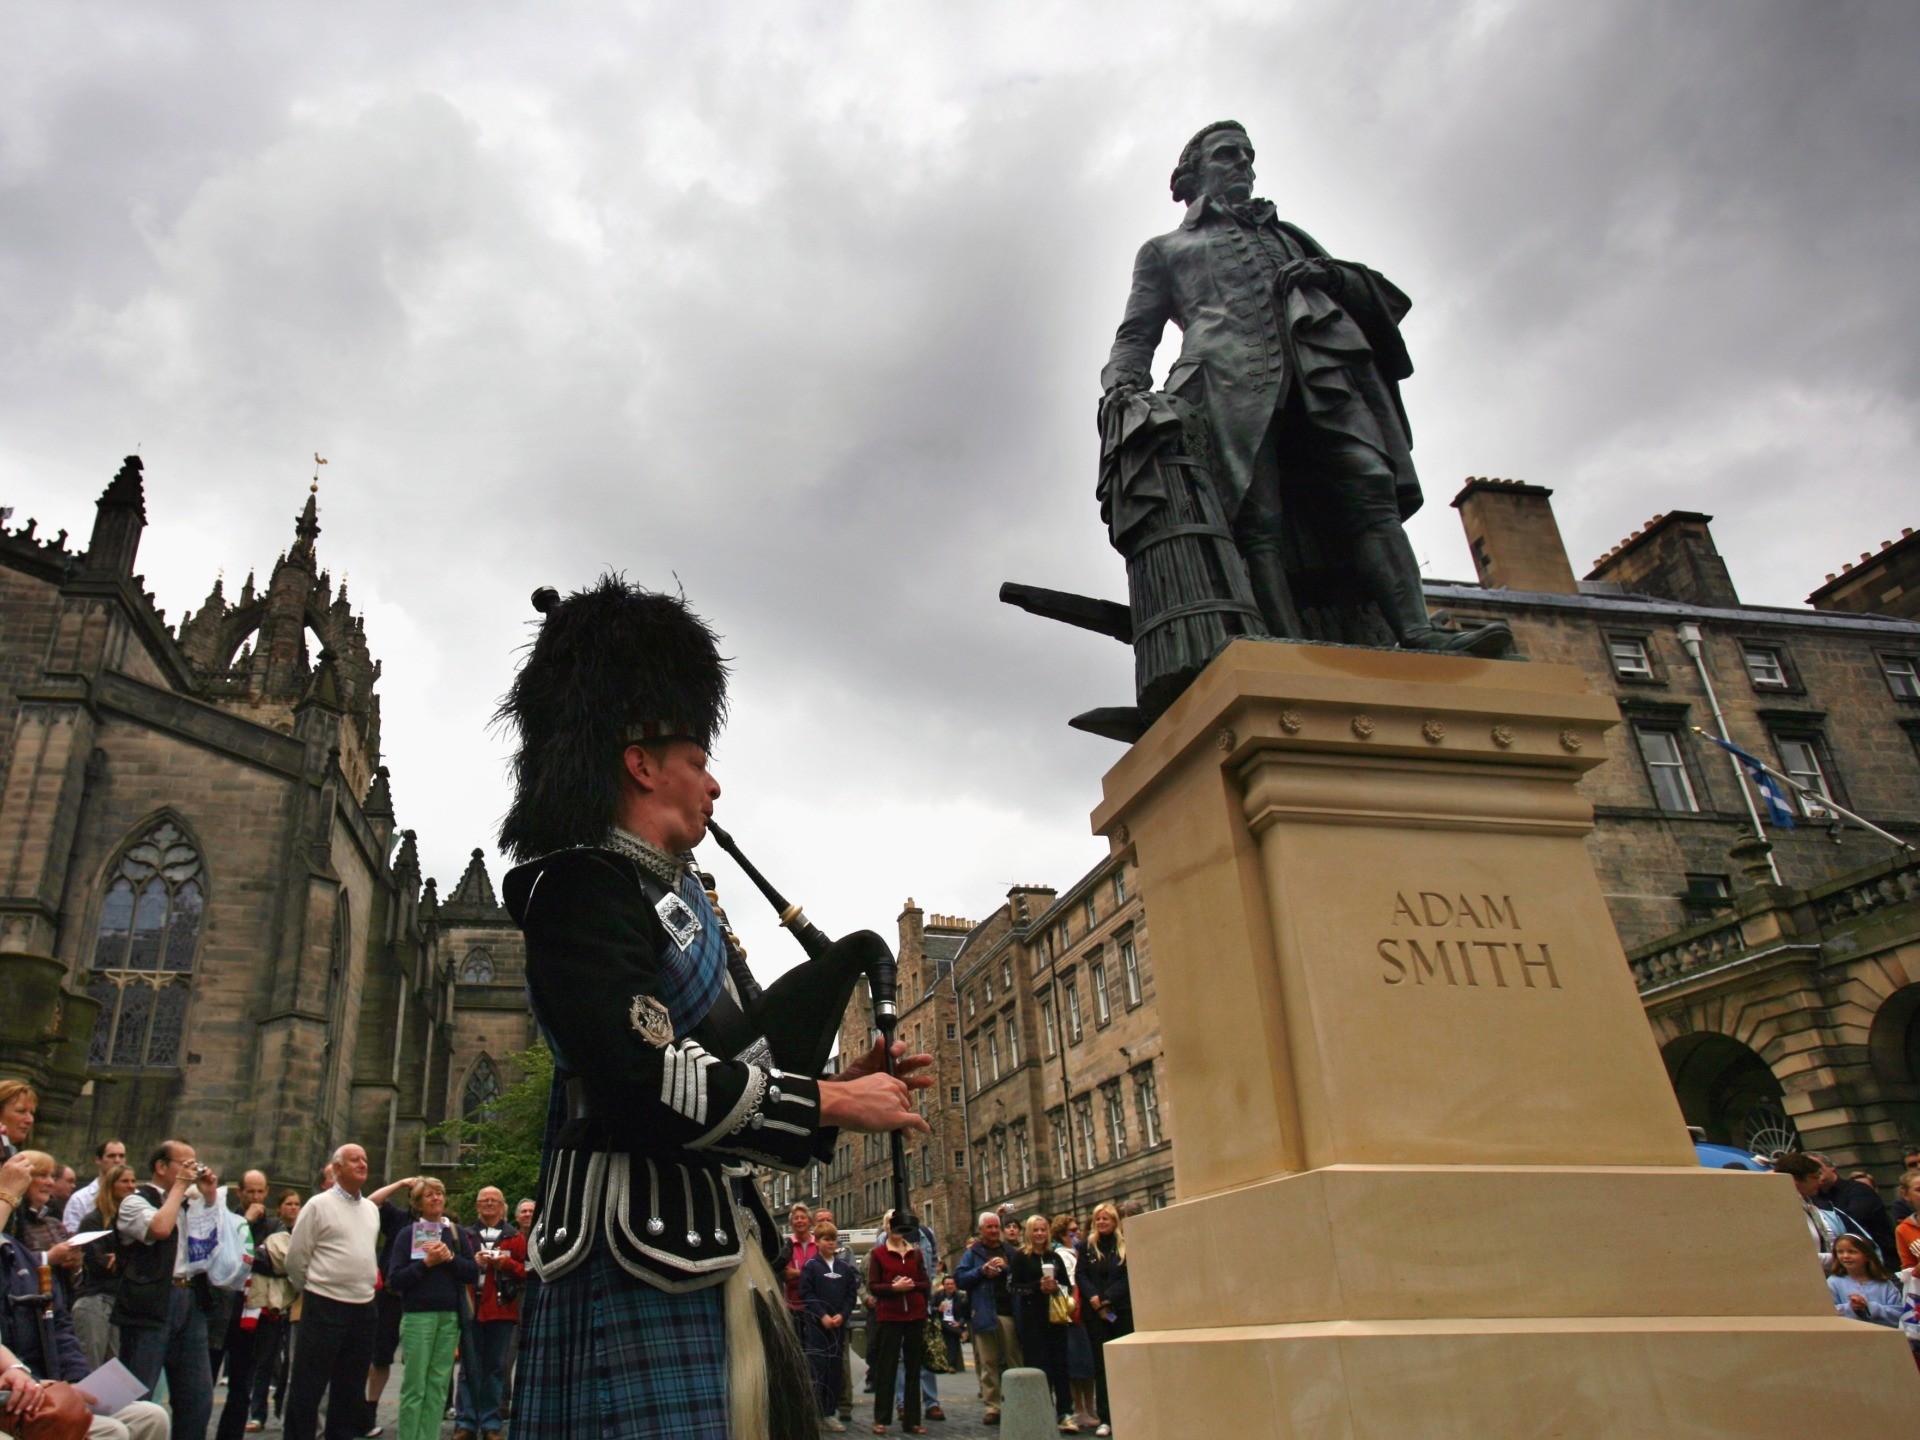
x=897 y=1282
x=500 y=1251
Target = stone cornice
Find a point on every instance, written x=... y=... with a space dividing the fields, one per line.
x=201 y=723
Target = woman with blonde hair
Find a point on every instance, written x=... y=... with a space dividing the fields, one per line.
x=1043 y=1311
x=1108 y=1307
x=37 y=1224
x=18 y=1102
x=428 y=1266
x=97 y=1286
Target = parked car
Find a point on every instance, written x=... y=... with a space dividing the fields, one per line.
x=1727 y=1157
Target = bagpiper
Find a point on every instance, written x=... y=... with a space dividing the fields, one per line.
x=674 y=1076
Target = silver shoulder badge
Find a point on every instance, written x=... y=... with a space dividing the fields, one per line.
x=682 y=924
x=651 y=1021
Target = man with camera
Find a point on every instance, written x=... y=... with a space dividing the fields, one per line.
x=169 y=1229
x=500 y=1251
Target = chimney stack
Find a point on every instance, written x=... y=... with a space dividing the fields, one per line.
x=1514 y=538
x=1671 y=557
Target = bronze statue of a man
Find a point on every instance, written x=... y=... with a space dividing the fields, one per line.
x=1293 y=359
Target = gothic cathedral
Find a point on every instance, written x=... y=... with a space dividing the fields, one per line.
x=209 y=925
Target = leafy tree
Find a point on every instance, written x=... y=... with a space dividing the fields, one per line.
x=500 y=1143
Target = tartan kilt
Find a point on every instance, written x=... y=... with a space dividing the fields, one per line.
x=608 y=1357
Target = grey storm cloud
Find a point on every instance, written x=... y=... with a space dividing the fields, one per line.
x=802 y=307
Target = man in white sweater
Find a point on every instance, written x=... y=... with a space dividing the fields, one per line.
x=334 y=1261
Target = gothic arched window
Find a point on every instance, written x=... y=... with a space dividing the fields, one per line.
x=143 y=950
x=483 y=1088
x=477 y=968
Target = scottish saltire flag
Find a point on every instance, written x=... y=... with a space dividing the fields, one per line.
x=1779 y=807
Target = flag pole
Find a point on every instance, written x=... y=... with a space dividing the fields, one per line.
x=1689 y=634
x=1826 y=802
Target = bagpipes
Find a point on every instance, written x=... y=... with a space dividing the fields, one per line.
x=800 y=1013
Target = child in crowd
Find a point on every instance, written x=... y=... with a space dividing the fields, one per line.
x=1861 y=1289
x=828 y=1285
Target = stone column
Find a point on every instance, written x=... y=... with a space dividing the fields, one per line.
x=1434 y=1181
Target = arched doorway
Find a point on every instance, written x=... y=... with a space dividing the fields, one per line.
x=1726 y=1089
x=1893 y=1043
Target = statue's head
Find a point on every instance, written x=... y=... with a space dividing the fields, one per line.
x=1218 y=161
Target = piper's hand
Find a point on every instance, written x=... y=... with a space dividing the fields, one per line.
x=1049 y=1285
x=901 y=1282
x=875 y=1104
x=910 y=1068
x=64 y=1256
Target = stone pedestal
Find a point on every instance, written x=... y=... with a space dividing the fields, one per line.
x=1433 y=1179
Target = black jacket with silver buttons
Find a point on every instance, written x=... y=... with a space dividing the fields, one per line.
x=651 y=1141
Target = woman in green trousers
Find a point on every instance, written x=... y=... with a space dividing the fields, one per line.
x=428 y=1267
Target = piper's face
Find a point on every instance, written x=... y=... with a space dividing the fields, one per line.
x=1226 y=166
x=681 y=793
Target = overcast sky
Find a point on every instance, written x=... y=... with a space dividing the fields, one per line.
x=805 y=305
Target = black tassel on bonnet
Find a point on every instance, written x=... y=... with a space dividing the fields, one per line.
x=612 y=664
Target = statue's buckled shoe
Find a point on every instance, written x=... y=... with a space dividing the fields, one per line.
x=1492 y=641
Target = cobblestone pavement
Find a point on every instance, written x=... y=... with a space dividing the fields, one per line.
x=959 y=1397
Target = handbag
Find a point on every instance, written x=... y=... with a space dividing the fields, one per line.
x=933 y=1348
x=1060 y=1308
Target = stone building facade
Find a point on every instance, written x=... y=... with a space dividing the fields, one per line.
x=1829 y=696
x=1787 y=1012
x=1793 y=1019
x=210 y=925
x=1046 y=1046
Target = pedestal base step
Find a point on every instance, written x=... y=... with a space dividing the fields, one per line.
x=1626 y=1379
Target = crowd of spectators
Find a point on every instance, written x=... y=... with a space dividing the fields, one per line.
x=1036 y=1292
x=305 y=1303
x=302 y=1303
x=1870 y=1250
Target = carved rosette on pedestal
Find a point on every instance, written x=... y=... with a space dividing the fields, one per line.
x=1433 y=1178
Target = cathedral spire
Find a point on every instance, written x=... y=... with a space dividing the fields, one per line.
x=379 y=801
x=475 y=887
x=307 y=528
x=120 y=515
